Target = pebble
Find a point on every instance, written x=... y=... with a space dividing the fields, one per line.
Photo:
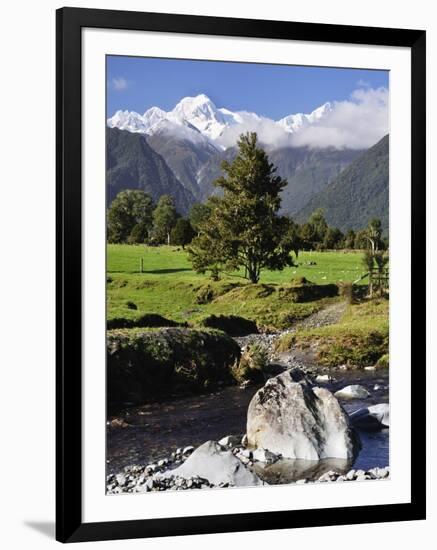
x=230 y=441
x=141 y=479
x=355 y=475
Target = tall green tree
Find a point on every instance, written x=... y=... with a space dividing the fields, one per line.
x=164 y=218
x=128 y=209
x=182 y=233
x=293 y=238
x=333 y=238
x=244 y=228
x=320 y=227
x=349 y=239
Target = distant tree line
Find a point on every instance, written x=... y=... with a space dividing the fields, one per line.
x=133 y=218
x=316 y=234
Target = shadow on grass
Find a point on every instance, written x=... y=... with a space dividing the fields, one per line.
x=153 y=271
x=163 y=271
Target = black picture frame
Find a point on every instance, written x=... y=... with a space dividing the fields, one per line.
x=69 y=524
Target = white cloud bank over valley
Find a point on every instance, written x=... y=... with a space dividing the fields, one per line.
x=356 y=123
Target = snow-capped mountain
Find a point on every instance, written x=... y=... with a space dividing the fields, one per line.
x=294 y=123
x=130 y=121
x=197 y=119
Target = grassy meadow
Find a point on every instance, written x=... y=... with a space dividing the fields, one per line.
x=169 y=287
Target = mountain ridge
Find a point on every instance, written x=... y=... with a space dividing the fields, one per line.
x=198 y=117
x=131 y=163
x=363 y=188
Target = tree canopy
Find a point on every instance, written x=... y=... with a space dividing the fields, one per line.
x=182 y=233
x=244 y=228
x=164 y=218
x=129 y=208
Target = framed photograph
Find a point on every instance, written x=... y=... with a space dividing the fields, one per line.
x=240 y=282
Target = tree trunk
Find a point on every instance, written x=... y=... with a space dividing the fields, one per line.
x=168 y=238
x=253 y=274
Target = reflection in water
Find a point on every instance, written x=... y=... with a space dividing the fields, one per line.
x=288 y=470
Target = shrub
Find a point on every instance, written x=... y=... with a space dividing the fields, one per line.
x=252 y=364
x=383 y=362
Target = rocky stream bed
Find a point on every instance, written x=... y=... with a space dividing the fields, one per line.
x=182 y=443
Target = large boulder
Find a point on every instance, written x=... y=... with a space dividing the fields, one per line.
x=216 y=464
x=375 y=417
x=289 y=416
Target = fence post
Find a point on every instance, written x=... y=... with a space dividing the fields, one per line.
x=141 y=265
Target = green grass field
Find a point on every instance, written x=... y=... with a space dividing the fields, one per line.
x=331 y=267
x=168 y=286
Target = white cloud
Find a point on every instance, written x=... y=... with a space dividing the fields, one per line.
x=356 y=123
x=119 y=83
x=268 y=131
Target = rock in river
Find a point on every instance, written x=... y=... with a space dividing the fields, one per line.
x=352 y=392
x=375 y=417
x=210 y=461
x=289 y=416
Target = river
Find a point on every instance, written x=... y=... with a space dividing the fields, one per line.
x=154 y=430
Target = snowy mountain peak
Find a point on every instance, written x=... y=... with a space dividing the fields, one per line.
x=294 y=123
x=128 y=120
x=197 y=119
x=201 y=113
x=320 y=112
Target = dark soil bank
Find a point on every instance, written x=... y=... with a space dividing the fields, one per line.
x=144 y=365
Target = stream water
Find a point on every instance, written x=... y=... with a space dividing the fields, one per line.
x=154 y=430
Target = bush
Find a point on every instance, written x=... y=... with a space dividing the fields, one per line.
x=252 y=365
x=148 y=365
x=383 y=362
x=131 y=305
x=231 y=324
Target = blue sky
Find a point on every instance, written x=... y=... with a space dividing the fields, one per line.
x=137 y=83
